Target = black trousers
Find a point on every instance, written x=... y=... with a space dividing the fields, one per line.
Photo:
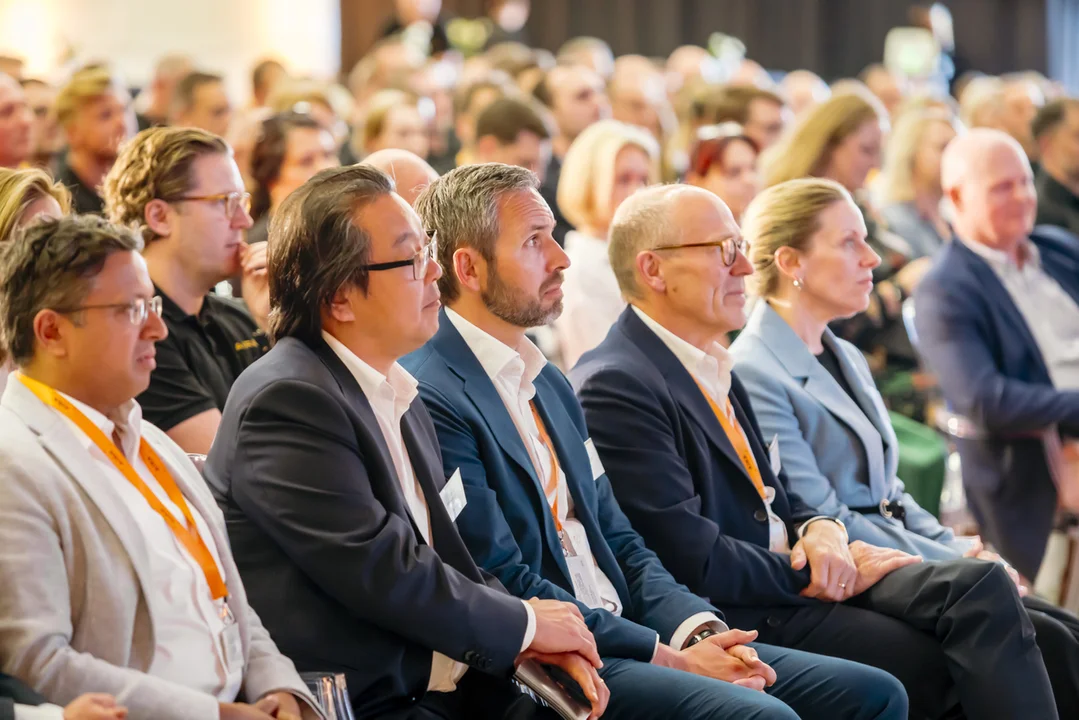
x=477 y=696
x=954 y=633
x=1058 y=638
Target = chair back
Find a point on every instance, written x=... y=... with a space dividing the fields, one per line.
x=331 y=694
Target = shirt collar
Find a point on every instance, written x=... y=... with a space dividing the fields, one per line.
x=127 y=419
x=173 y=313
x=396 y=390
x=711 y=368
x=520 y=366
x=999 y=260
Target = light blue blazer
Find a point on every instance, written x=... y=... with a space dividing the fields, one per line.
x=837 y=453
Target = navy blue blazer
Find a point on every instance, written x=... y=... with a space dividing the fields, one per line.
x=329 y=553
x=975 y=340
x=507 y=523
x=679 y=479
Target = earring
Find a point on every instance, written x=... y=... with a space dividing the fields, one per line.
x=797 y=283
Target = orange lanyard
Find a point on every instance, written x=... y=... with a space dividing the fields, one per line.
x=737 y=438
x=551 y=486
x=187 y=535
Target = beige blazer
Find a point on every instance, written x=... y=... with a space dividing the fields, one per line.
x=76 y=607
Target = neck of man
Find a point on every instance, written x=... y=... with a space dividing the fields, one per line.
x=471 y=308
x=1012 y=248
x=1055 y=171
x=370 y=349
x=55 y=375
x=807 y=324
x=700 y=337
x=89 y=168
x=560 y=145
x=169 y=276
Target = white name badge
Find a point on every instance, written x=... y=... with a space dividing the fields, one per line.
x=453 y=495
x=773 y=455
x=593 y=459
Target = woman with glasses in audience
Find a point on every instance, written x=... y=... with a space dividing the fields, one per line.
x=292 y=147
x=909 y=185
x=724 y=161
x=841 y=140
x=25 y=196
x=607 y=163
x=815 y=398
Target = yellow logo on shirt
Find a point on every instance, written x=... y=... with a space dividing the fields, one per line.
x=246 y=345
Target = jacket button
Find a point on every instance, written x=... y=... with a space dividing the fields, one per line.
x=773 y=622
x=760 y=516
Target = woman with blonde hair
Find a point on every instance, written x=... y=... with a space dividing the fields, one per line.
x=607 y=163
x=25 y=196
x=841 y=140
x=909 y=188
x=814 y=393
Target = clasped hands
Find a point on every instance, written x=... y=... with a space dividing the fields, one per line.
x=841 y=570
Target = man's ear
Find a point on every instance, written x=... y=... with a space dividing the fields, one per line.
x=650 y=271
x=49 y=332
x=470 y=269
x=159 y=216
x=341 y=308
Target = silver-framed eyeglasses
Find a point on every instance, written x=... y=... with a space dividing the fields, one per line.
x=138 y=310
x=418 y=261
x=729 y=248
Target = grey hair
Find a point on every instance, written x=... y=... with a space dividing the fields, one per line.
x=52 y=264
x=462 y=208
x=642 y=222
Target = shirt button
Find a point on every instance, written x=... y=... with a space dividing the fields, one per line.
x=773 y=622
x=760 y=516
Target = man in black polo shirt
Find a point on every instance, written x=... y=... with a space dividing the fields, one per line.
x=184 y=188
x=1056 y=129
x=94 y=109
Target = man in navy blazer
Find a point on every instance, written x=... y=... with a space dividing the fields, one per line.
x=540 y=512
x=676 y=431
x=328 y=473
x=997 y=321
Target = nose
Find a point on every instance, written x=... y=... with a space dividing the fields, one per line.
x=434 y=270
x=872 y=259
x=154 y=328
x=742 y=265
x=242 y=219
x=557 y=259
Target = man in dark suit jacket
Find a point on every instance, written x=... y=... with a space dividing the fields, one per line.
x=541 y=515
x=997 y=318
x=677 y=434
x=330 y=481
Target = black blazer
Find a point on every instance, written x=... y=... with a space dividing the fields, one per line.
x=679 y=480
x=324 y=541
x=12 y=691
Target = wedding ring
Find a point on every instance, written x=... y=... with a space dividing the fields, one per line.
x=843 y=585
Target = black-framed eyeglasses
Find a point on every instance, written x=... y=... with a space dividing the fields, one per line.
x=138 y=310
x=729 y=248
x=233 y=201
x=418 y=261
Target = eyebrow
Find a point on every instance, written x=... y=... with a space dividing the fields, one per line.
x=403 y=238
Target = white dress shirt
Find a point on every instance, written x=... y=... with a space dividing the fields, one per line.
x=39 y=712
x=1050 y=312
x=592 y=301
x=513 y=371
x=191 y=645
x=390 y=397
x=712 y=371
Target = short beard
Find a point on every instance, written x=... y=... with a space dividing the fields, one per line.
x=511 y=306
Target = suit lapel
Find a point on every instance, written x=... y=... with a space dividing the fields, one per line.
x=683 y=388
x=479 y=388
x=60 y=442
x=362 y=406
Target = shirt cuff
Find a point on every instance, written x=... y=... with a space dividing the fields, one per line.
x=39 y=712
x=530 y=629
x=694 y=624
x=815 y=518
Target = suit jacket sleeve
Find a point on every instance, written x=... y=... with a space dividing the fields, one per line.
x=490 y=539
x=638 y=448
x=953 y=341
x=776 y=416
x=300 y=476
x=35 y=611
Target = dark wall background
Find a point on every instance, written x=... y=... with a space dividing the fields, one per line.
x=835 y=38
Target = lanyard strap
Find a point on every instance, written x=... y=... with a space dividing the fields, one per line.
x=188 y=534
x=551 y=486
x=737 y=438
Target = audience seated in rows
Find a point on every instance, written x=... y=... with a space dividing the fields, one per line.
x=678 y=436
x=539 y=512
x=16 y=124
x=1056 y=130
x=510 y=130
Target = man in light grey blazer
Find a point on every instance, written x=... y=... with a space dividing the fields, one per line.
x=116 y=571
